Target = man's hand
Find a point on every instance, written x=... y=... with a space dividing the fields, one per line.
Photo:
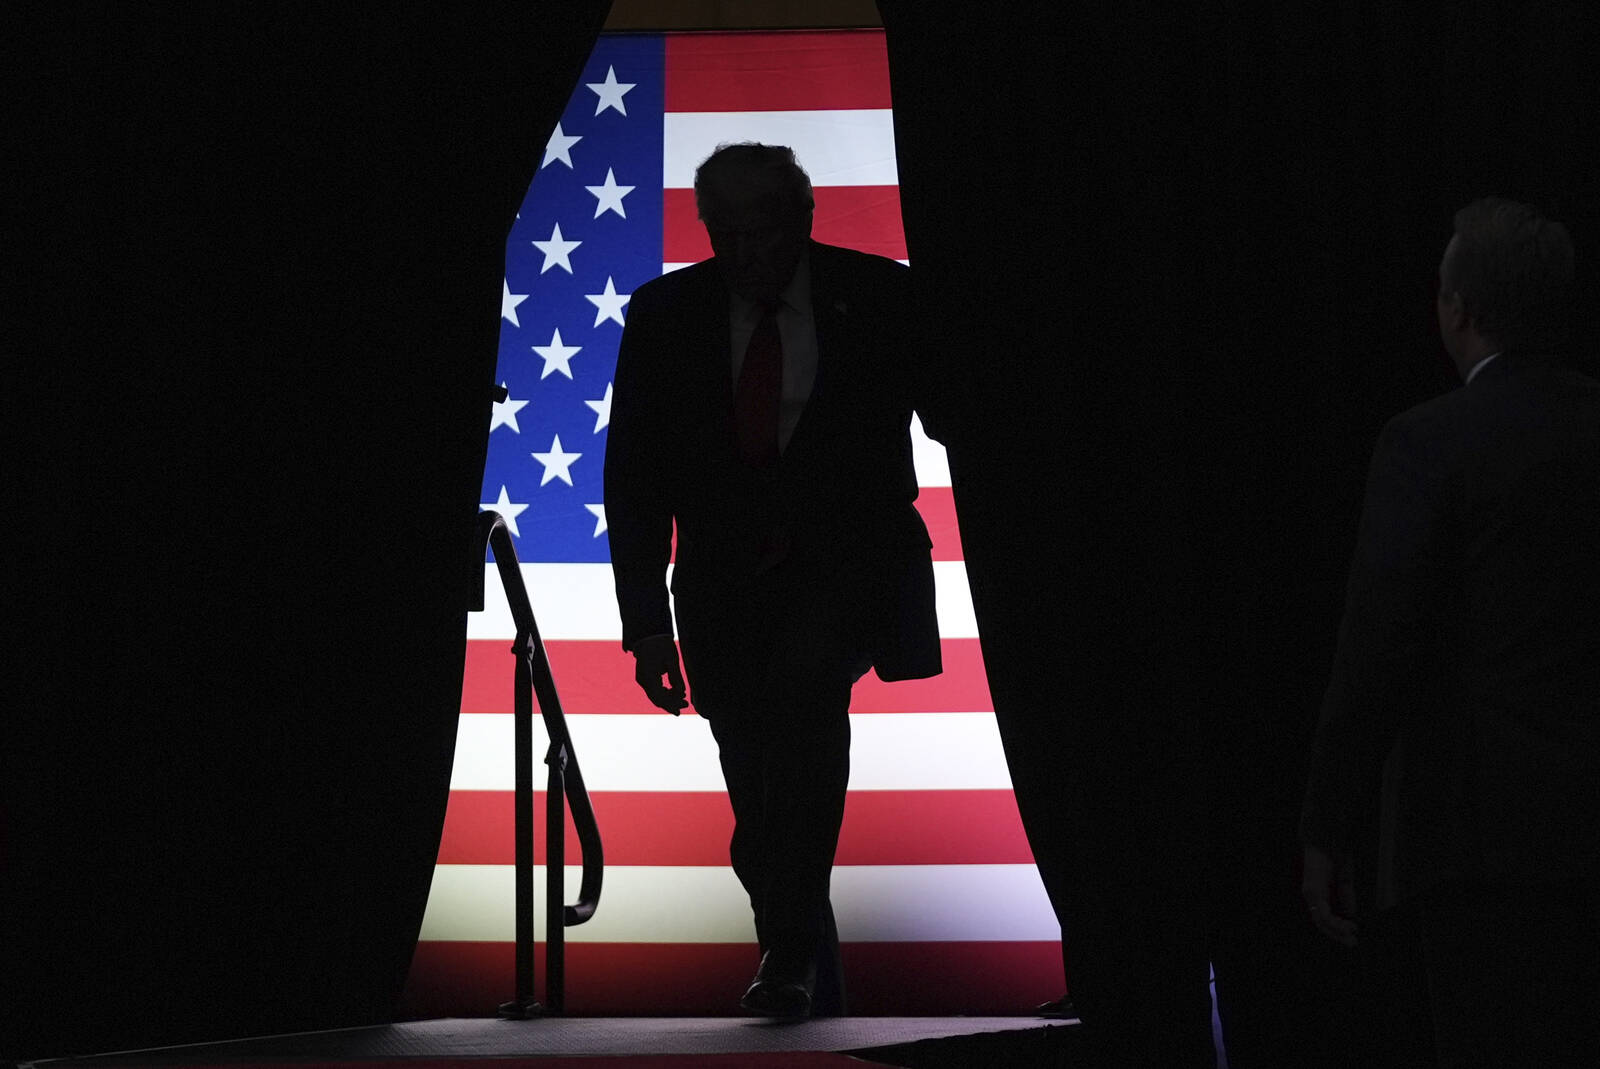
x=656 y=657
x=1328 y=885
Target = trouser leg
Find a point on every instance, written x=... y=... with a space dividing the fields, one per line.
x=829 y=996
x=787 y=774
x=742 y=757
x=773 y=674
x=807 y=771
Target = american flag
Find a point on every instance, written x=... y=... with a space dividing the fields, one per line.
x=939 y=906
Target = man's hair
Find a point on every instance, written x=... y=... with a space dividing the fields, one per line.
x=769 y=166
x=1513 y=269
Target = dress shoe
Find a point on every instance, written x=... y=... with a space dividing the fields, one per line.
x=782 y=987
x=1061 y=1009
x=768 y=998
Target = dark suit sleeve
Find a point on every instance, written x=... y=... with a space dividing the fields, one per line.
x=1384 y=661
x=637 y=496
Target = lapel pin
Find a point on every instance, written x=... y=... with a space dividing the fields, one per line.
x=840 y=307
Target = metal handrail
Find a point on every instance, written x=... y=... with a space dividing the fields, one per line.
x=565 y=781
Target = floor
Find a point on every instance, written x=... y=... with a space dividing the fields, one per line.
x=569 y=1036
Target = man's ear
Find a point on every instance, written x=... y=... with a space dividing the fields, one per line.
x=1455 y=310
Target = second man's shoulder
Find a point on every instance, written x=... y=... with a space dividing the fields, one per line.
x=1422 y=427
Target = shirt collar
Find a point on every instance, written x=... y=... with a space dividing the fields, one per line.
x=1479 y=366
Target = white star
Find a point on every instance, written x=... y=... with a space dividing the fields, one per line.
x=610 y=92
x=608 y=305
x=559 y=147
x=507 y=510
x=608 y=198
x=557 y=464
x=602 y=410
x=509 y=302
x=505 y=413
x=557 y=357
x=599 y=519
x=557 y=251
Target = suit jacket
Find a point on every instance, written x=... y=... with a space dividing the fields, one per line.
x=1469 y=654
x=841 y=495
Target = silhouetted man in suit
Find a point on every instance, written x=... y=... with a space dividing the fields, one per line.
x=1469 y=657
x=762 y=403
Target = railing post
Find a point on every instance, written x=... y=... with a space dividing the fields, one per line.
x=524 y=1005
x=555 y=856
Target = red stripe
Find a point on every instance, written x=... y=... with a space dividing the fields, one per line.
x=866 y=218
x=938 y=508
x=706 y=979
x=597 y=677
x=692 y=828
x=932 y=828
x=777 y=72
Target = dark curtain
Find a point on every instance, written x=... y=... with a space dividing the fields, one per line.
x=1183 y=266
x=255 y=267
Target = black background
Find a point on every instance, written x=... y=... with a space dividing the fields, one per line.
x=252 y=324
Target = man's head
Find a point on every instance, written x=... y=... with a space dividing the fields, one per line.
x=755 y=202
x=1504 y=282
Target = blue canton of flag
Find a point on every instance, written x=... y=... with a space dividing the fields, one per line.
x=589 y=234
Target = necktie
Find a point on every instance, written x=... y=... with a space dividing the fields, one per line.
x=756 y=396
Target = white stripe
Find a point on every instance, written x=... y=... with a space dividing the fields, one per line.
x=570 y=602
x=836 y=148
x=705 y=904
x=932 y=463
x=659 y=752
x=578 y=602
